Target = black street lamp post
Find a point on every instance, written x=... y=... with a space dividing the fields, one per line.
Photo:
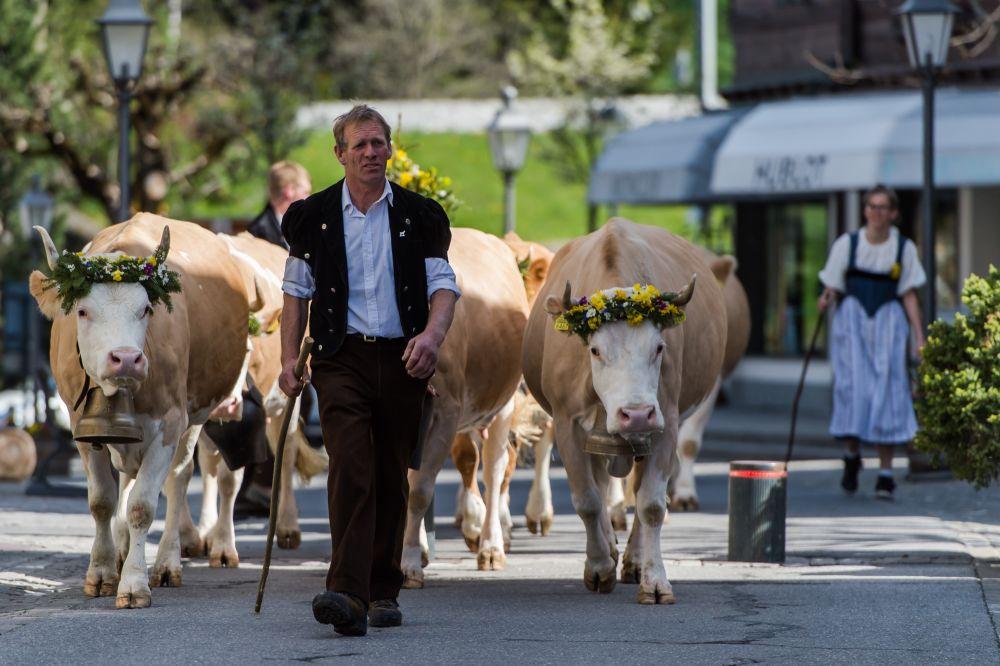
x=927 y=30
x=124 y=31
x=509 y=134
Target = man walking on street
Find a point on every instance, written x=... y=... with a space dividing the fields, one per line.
x=372 y=258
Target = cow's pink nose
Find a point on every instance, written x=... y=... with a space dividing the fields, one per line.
x=637 y=419
x=127 y=362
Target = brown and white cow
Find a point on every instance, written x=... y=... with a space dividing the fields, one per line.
x=639 y=379
x=183 y=364
x=683 y=495
x=477 y=373
x=530 y=434
x=262 y=265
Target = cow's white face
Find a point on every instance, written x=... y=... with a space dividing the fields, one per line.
x=625 y=365
x=111 y=326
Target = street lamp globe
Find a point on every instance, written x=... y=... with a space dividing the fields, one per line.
x=509 y=134
x=35 y=208
x=124 y=29
x=927 y=30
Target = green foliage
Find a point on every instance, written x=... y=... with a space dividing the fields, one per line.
x=959 y=402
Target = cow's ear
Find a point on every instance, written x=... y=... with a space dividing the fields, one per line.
x=47 y=299
x=538 y=268
x=686 y=293
x=723 y=267
x=553 y=306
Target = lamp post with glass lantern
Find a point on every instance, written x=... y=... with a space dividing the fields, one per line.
x=124 y=31
x=927 y=30
x=509 y=134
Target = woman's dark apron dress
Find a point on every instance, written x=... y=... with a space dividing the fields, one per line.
x=871 y=388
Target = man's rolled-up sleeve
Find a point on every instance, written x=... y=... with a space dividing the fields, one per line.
x=298 y=280
x=437 y=239
x=440 y=275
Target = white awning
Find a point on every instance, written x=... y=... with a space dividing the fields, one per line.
x=664 y=162
x=848 y=142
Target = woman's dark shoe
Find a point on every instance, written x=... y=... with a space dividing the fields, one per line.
x=884 y=487
x=344 y=611
x=385 y=613
x=852 y=466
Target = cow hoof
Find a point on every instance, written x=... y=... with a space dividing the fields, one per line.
x=630 y=573
x=682 y=504
x=425 y=558
x=197 y=548
x=95 y=585
x=290 y=540
x=413 y=583
x=133 y=600
x=533 y=525
x=491 y=560
x=599 y=582
x=546 y=525
x=228 y=558
x=647 y=598
x=164 y=578
x=471 y=543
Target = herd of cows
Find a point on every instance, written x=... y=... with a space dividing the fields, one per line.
x=508 y=385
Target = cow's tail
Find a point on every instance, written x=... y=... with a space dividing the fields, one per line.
x=309 y=461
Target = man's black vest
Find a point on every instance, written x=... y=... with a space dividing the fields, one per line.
x=314 y=229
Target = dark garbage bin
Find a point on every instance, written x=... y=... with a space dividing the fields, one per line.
x=757 y=499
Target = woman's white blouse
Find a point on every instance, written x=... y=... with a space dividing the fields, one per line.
x=874 y=258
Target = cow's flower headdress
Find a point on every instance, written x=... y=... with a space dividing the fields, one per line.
x=73 y=275
x=633 y=305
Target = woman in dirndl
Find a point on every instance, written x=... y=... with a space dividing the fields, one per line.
x=873 y=274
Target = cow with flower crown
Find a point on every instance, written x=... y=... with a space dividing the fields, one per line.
x=612 y=351
x=160 y=307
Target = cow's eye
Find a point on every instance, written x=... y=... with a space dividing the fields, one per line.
x=81 y=313
x=595 y=353
x=146 y=312
x=659 y=349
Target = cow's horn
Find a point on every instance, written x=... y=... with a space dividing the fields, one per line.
x=51 y=254
x=164 y=247
x=686 y=292
x=568 y=297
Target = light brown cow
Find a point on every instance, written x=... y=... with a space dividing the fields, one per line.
x=184 y=364
x=477 y=374
x=638 y=379
x=262 y=265
x=530 y=434
x=684 y=496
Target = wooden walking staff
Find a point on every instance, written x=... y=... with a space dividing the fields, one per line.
x=279 y=454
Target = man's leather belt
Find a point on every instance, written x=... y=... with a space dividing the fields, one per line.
x=375 y=338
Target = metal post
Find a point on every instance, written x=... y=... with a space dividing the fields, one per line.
x=930 y=308
x=124 y=100
x=508 y=201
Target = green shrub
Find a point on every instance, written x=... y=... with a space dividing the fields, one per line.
x=959 y=378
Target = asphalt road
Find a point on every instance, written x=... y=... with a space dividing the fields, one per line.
x=867 y=582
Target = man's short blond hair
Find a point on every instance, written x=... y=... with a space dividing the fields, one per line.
x=285 y=173
x=361 y=113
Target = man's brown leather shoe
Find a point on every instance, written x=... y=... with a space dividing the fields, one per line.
x=385 y=613
x=344 y=611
